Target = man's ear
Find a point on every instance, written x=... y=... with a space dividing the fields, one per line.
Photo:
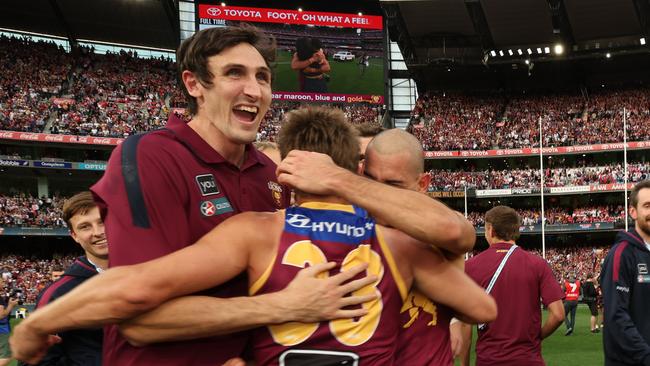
x=361 y=167
x=192 y=84
x=73 y=235
x=424 y=181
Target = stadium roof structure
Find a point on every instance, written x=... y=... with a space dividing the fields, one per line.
x=500 y=31
x=146 y=23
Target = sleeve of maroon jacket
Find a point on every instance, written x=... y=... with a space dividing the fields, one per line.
x=165 y=229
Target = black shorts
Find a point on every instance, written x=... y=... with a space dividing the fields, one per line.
x=592 y=308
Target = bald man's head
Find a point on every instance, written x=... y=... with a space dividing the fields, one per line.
x=395 y=157
x=399 y=142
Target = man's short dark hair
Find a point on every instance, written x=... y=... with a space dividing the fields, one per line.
x=79 y=204
x=193 y=53
x=369 y=129
x=323 y=130
x=634 y=195
x=505 y=222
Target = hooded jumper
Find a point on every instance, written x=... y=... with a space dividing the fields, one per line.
x=81 y=347
x=626 y=294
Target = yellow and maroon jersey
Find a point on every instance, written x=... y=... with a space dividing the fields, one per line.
x=315 y=233
x=424 y=335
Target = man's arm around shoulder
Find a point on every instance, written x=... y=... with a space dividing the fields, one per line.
x=306 y=299
x=414 y=213
x=123 y=292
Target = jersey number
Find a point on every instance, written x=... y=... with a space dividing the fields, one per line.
x=347 y=331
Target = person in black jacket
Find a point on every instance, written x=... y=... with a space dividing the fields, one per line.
x=79 y=347
x=589 y=295
x=626 y=288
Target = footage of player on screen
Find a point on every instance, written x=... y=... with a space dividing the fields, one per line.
x=310 y=62
x=364 y=62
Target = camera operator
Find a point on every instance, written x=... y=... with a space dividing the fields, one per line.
x=7 y=305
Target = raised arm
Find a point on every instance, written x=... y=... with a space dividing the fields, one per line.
x=306 y=299
x=414 y=213
x=123 y=292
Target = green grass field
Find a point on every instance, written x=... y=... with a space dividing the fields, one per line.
x=345 y=77
x=582 y=348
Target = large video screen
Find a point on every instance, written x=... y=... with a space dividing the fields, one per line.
x=322 y=57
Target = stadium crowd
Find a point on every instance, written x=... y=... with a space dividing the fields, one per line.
x=25 y=277
x=449 y=180
x=490 y=122
x=26 y=210
x=580 y=260
x=116 y=95
x=111 y=95
x=438 y=121
x=561 y=216
x=33 y=73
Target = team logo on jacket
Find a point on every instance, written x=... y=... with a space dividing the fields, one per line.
x=276 y=193
x=642 y=268
x=207 y=184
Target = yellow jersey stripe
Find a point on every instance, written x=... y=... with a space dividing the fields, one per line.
x=328 y=206
x=401 y=285
x=257 y=285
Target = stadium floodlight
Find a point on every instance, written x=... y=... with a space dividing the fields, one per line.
x=547 y=50
x=530 y=52
x=493 y=53
x=539 y=50
x=223 y=4
x=360 y=13
x=642 y=40
x=501 y=53
x=300 y=9
x=558 y=49
x=510 y=52
x=608 y=55
x=520 y=52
